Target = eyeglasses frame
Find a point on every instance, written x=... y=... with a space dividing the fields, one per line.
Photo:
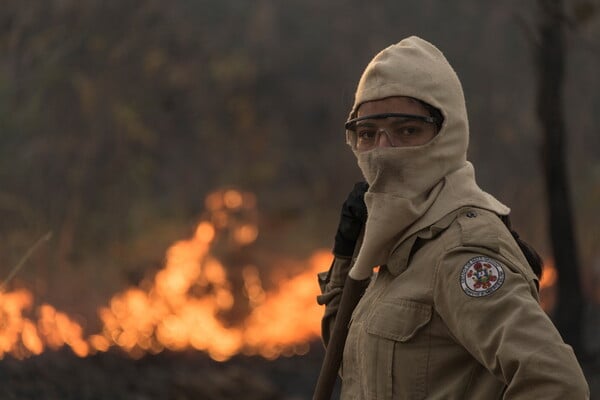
x=350 y=125
x=425 y=118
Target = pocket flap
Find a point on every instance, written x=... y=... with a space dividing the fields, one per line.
x=399 y=320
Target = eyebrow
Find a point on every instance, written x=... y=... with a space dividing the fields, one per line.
x=366 y=123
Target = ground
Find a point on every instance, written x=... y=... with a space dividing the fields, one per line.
x=167 y=376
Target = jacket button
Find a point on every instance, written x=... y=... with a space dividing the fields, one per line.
x=471 y=214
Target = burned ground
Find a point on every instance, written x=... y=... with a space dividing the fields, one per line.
x=60 y=375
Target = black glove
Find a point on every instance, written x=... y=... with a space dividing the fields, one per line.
x=353 y=218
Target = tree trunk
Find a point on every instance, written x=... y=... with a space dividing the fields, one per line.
x=550 y=60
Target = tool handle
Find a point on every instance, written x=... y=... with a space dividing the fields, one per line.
x=353 y=291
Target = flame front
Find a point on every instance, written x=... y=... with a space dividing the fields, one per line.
x=21 y=337
x=183 y=305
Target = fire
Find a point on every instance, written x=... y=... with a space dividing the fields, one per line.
x=548 y=286
x=58 y=329
x=12 y=323
x=186 y=303
x=184 y=306
x=281 y=323
x=22 y=337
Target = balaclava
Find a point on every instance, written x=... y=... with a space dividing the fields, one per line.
x=413 y=187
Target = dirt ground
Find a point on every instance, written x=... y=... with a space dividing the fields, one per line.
x=167 y=376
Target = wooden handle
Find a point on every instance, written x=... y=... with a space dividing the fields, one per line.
x=353 y=291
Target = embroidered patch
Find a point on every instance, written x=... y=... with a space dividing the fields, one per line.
x=481 y=276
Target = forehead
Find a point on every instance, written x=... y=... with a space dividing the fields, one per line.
x=404 y=105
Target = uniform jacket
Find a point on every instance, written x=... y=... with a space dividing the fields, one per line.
x=454 y=314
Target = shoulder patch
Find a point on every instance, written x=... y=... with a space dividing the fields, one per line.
x=481 y=276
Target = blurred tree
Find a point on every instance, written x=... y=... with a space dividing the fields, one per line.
x=550 y=62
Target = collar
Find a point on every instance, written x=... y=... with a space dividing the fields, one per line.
x=400 y=256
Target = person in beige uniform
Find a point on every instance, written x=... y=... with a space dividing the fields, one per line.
x=453 y=311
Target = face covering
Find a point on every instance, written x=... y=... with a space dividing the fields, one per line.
x=414 y=187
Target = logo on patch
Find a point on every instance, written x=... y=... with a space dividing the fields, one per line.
x=481 y=276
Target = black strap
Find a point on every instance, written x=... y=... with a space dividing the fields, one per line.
x=533 y=258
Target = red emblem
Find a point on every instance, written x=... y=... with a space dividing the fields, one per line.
x=481 y=276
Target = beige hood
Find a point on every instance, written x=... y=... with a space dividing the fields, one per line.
x=413 y=187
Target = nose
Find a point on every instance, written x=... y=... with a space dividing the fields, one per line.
x=383 y=140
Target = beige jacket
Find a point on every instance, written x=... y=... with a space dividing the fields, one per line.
x=429 y=327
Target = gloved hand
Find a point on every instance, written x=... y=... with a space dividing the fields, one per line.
x=352 y=219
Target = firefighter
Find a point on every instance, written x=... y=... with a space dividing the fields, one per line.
x=453 y=311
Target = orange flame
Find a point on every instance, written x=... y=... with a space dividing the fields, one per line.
x=549 y=277
x=22 y=338
x=12 y=324
x=283 y=323
x=183 y=306
x=548 y=286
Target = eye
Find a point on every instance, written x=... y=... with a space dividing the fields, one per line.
x=406 y=130
x=366 y=133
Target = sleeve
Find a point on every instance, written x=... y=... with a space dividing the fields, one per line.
x=490 y=308
x=332 y=283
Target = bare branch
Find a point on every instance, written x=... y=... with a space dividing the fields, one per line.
x=20 y=264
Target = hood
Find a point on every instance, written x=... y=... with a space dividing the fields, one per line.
x=416 y=68
x=414 y=186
